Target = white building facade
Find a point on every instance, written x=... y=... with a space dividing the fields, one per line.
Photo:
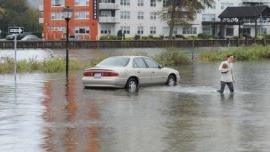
x=141 y=17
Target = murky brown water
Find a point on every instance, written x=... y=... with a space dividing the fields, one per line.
x=42 y=114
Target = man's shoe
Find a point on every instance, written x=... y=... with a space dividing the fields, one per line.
x=219 y=92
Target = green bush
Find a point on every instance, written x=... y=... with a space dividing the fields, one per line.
x=137 y=37
x=172 y=57
x=204 y=36
x=180 y=37
x=252 y=53
x=108 y=37
x=267 y=36
x=52 y=65
x=161 y=37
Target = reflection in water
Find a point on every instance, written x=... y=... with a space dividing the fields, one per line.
x=69 y=130
x=71 y=107
x=229 y=98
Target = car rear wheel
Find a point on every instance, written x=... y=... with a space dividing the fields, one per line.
x=171 y=80
x=132 y=85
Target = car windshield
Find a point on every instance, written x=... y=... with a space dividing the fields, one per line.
x=114 y=62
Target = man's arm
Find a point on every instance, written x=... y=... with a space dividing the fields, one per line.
x=222 y=69
x=232 y=75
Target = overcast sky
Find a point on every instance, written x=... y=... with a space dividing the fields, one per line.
x=35 y=3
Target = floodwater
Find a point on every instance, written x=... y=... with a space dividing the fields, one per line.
x=27 y=54
x=44 y=112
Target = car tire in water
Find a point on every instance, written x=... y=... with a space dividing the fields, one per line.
x=132 y=85
x=171 y=80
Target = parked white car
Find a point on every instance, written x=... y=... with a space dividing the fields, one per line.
x=30 y=38
x=129 y=72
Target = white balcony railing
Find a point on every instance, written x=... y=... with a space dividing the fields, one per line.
x=41 y=20
x=103 y=19
x=108 y=6
x=41 y=8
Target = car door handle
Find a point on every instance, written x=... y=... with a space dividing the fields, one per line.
x=138 y=72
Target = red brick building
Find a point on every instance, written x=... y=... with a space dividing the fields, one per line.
x=83 y=24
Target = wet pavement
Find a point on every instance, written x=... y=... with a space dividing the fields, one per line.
x=47 y=113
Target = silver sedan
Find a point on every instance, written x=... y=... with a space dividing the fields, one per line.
x=129 y=72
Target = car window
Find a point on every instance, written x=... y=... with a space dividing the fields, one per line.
x=139 y=63
x=114 y=62
x=151 y=63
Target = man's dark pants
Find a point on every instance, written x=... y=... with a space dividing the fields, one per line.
x=223 y=84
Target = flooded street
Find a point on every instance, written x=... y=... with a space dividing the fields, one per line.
x=47 y=113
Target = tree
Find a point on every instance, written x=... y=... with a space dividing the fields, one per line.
x=181 y=12
x=18 y=13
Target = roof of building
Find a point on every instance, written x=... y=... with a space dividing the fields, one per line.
x=245 y=12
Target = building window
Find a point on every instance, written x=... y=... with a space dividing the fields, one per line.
x=153 y=3
x=107 y=1
x=125 y=2
x=153 y=15
x=207 y=30
x=229 y=31
x=140 y=2
x=175 y=31
x=57 y=28
x=125 y=15
x=208 y=17
x=245 y=31
x=57 y=16
x=189 y=30
x=106 y=14
x=125 y=29
x=140 y=15
x=81 y=15
x=57 y=2
x=105 y=30
x=82 y=30
x=153 y=30
x=262 y=30
x=140 y=30
x=225 y=5
x=82 y=2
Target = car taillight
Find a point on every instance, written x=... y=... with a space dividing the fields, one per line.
x=110 y=74
x=88 y=74
x=103 y=73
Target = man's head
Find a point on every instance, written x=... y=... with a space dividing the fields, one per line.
x=230 y=58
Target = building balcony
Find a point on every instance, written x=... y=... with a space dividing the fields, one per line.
x=41 y=8
x=41 y=20
x=110 y=19
x=108 y=6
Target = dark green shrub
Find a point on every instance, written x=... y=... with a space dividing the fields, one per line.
x=179 y=36
x=204 y=36
x=137 y=37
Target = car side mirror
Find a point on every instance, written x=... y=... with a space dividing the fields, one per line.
x=160 y=66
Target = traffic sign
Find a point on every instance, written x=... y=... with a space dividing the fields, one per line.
x=15 y=30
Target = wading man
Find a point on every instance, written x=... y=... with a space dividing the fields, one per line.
x=227 y=76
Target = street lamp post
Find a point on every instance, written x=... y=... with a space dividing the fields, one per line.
x=67 y=12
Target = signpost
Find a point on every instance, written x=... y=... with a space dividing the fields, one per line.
x=15 y=31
